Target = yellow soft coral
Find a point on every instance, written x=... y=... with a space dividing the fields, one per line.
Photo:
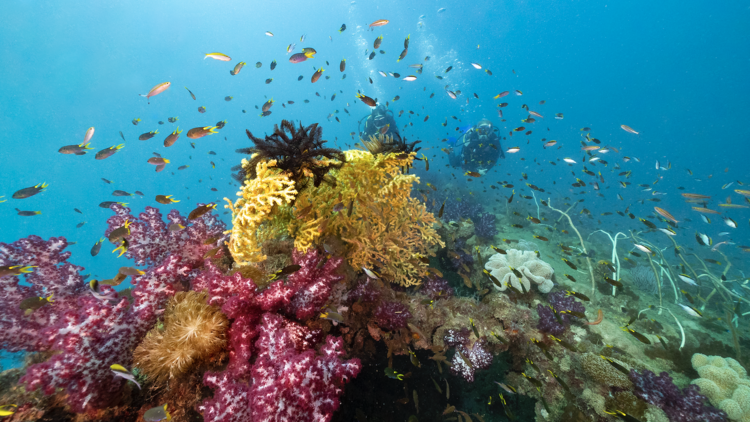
x=387 y=228
x=258 y=197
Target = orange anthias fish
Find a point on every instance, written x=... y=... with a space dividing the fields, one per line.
x=158 y=89
x=379 y=22
x=665 y=214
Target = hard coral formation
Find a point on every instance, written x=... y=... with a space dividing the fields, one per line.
x=193 y=333
x=386 y=229
x=726 y=384
x=602 y=373
x=680 y=406
x=299 y=153
x=527 y=263
x=252 y=211
x=548 y=322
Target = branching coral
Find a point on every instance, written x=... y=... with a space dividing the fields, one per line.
x=299 y=153
x=386 y=228
x=193 y=332
x=531 y=268
x=250 y=213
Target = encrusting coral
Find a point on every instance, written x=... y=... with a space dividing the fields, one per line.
x=726 y=384
x=531 y=268
x=193 y=333
x=372 y=211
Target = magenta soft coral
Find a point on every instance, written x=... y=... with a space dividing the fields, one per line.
x=294 y=385
x=151 y=241
x=287 y=381
x=88 y=334
x=391 y=315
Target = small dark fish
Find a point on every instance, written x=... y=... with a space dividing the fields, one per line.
x=200 y=211
x=97 y=246
x=122 y=136
x=191 y=93
x=273 y=65
x=351 y=208
x=201 y=109
x=77 y=210
x=27 y=213
x=108 y=152
x=578 y=295
x=121 y=193
x=30 y=191
x=343 y=27
x=643 y=339
x=616 y=365
x=107 y=204
x=570 y=264
x=79 y=225
x=613 y=282
x=289 y=269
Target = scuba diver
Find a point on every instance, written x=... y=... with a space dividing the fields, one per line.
x=376 y=123
x=478 y=149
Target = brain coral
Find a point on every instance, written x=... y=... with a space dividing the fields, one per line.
x=532 y=268
x=726 y=384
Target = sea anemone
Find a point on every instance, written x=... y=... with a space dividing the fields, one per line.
x=193 y=332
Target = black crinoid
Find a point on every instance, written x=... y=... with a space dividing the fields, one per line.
x=385 y=144
x=298 y=152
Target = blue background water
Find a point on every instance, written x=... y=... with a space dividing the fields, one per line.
x=675 y=71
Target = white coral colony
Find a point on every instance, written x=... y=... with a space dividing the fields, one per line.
x=533 y=269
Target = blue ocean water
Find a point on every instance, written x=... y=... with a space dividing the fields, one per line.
x=675 y=72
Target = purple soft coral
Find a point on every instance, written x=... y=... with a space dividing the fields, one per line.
x=548 y=322
x=680 y=406
x=391 y=315
x=437 y=288
x=484 y=225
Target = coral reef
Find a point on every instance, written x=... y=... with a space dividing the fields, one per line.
x=298 y=153
x=150 y=240
x=603 y=373
x=193 y=333
x=371 y=210
x=562 y=304
x=290 y=381
x=88 y=333
x=726 y=384
x=680 y=406
x=437 y=288
x=527 y=263
x=251 y=389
